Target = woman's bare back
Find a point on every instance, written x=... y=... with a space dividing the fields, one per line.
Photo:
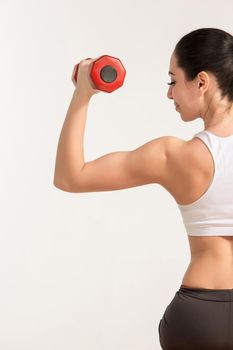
x=211 y=264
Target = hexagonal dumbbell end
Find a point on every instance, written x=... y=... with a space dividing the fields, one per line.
x=107 y=73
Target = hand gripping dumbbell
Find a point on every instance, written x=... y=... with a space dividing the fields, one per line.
x=107 y=73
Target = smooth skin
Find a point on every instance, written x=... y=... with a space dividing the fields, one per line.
x=146 y=164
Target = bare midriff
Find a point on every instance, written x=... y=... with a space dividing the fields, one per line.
x=211 y=264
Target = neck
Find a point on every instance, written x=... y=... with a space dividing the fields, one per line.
x=219 y=118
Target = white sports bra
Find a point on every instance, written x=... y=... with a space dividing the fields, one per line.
x=212 y=213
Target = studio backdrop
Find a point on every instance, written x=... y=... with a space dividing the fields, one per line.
x=88 y=270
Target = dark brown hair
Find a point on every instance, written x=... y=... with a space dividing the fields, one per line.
x=208 y=49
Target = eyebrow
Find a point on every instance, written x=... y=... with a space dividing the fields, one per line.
x=170 y=73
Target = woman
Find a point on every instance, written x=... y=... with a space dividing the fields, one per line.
x=198 y=173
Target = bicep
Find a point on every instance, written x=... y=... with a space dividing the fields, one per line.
x=124 y=169
x=106 y=173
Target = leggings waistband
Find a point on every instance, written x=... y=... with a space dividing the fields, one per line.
x=207 y=294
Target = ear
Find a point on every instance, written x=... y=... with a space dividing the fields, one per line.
x=203 y=79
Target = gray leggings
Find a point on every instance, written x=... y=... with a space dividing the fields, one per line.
x=198 y=319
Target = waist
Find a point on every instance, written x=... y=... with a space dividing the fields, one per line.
x=218 y=258
x=209 y=272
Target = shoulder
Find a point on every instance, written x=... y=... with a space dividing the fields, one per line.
x=179 y=149
x=175 y=147
x=189 y=169
x=184 y=160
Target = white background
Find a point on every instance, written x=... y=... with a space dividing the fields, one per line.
x=88 y=270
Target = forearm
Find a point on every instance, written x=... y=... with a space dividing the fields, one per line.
x=70 y=152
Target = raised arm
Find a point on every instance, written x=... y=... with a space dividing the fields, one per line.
x=149 y=163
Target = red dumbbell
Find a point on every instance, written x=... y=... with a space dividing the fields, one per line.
x=107 y=73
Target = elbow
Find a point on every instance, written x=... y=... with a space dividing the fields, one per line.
x=61 y=185
x=65 y=186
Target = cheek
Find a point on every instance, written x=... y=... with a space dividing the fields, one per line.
x=178 y=92
x=178 y=96
x=183 y=97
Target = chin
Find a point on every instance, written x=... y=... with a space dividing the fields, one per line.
x=187 y=117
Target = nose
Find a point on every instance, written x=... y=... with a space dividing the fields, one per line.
x=169 y=93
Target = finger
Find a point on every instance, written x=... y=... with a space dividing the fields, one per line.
x=73 y=74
